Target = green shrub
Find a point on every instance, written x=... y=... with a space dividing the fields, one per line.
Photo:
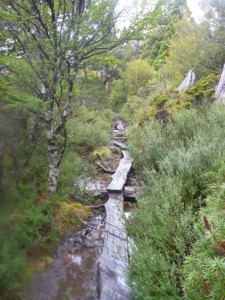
x=159 y=229
x=30 y=229
x=89 y=129
x=205 y=267
x=161 y=100
x=174 y=160
x=72 y=165
x=131 y=107
x=12 y=261
x=119 y=94
x=92 y=93
x=171 y=100
x=204 y=89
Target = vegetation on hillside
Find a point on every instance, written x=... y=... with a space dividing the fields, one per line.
x=61 y=82
x=177 y=142
x=174 y=161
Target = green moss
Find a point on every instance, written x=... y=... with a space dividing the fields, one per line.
x=69 y=216
x=161 y=100
x=101 y=153
x=203 y=89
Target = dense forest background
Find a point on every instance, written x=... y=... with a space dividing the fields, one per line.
x=66 y=70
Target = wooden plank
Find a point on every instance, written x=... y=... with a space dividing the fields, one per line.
x=117 y=133
x=119 y=125
x=131 y=191
x=114 y=262
x=120 y=176
x=120 y=145
x=114 y=258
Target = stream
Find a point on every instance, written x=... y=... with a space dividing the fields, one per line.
x=74 y=273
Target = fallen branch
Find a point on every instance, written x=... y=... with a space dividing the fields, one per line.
x=96 y=206
x=84 y=222
x=105 y=169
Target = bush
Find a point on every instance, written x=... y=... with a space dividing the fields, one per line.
x=89 y=129
x=205 y=267
x=12 y=261
x=92 y=93
x=175 y=159
x=135 y=77
x=30 y=229
x=141 y=110
x=160 y=231
x=131 y=108
x=72 y=166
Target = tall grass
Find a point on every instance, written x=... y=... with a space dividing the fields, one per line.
x=174 y=160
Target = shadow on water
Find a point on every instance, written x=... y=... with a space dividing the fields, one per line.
x=73 y=275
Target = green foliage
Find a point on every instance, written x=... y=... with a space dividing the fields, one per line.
x=72 y=165
x=90 y=129
x=36 y=167
x=12 y=261
x=186 y=48
x=136 y=76
x=161 y=100
x=156 y=45
x=36 y=225
x=131 y=107
x=119 y=94
x=142 y=110
x=205 y=267
x=174 y=159
x=160 y=231
x=30 y=228
x=92 y=93
x=204 y=89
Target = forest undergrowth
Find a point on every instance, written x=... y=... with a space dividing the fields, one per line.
x=32 y=223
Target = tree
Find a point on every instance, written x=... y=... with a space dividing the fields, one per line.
x=215 y=37
x=137 y=74
x=162 y=26
x=51 y=39
x=186 y=48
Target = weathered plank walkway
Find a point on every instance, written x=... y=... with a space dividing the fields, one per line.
x=114 y=258
x=120 y=176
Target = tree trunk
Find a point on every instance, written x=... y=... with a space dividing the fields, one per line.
x=109 y=87
x=188 y=82
x=220 y=89
x=56 y=134
x=53 y=173
x=53 y=155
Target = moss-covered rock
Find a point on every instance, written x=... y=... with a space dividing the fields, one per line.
x=70 y=214
x=101 y=153
x=204 y=89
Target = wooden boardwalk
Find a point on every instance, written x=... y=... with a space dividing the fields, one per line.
x=114 y=258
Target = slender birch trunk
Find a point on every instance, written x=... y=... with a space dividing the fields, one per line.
x=56 y=149
x=53 y=155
